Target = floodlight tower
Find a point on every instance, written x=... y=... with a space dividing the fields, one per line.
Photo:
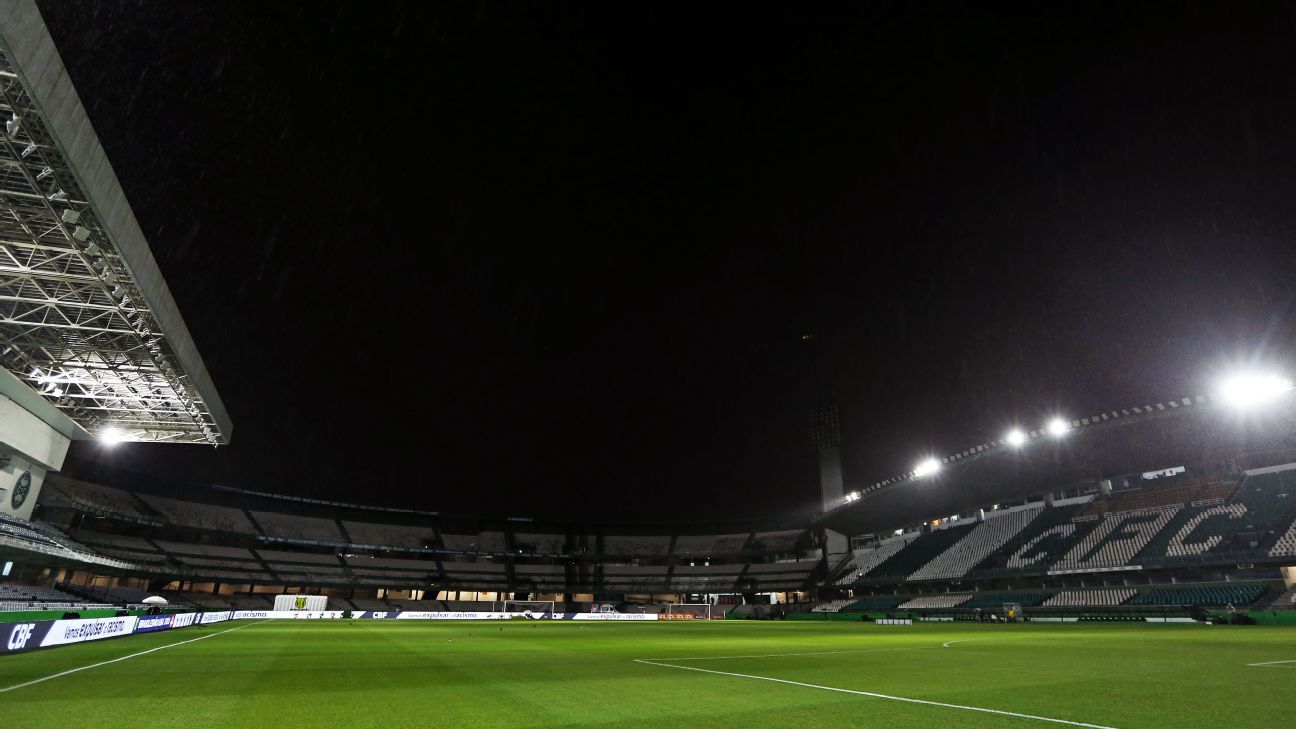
x=825 y=433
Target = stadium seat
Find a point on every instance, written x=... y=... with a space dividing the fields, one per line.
x=934 y=602
x=1040 y=543
x=1090 y=598
x=995 y=600
x=865 y=559
x=1214 y=595
x=876 y=602
x=983 y=540
x=1116 y=540
x=921 y=551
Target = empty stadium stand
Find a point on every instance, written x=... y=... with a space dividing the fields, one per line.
x=876 y=602
x=1090 y=598
x=1116 y=540
x=199 y=516
x=389 y=535
x=983 y=540
x=995 y=600
x=539 y=543
x=1215 y=595
x=865 y=559
x=710 y=545
x=291 y=526
x=930 y=602
x=480 y=542
x=921 y=551
x=1286 y=544
x=831 y=606
x=1041 y=543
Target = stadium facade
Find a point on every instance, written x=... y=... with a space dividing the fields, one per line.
x=1163 y=505
x=1095 y=539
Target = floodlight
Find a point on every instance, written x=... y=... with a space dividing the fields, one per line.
x=1246 y=390
x=1015 y=438
x=1057 y=427
x=927 y=467
x=111 y=436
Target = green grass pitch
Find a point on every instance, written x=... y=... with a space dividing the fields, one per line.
x=526 y=674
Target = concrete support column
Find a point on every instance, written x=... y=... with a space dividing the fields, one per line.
x=29 y=448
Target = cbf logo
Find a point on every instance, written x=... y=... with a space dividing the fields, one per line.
x=20 y=490
x=20 y=635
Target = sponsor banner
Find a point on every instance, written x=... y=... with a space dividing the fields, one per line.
x=289 y=614
x=183 y=620
x=218 y=617
x=411 y=615
x=1120 y=568
x=63 y=632
x=613 y=616
x=417 y=615
x=151 y=623
x=16 y=637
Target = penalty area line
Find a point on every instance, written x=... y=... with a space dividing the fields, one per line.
x=887 y=697
x=71 y=671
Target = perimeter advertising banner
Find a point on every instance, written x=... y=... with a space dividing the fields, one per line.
x=25 y=636
x=418 y=615
x=16 y=637
x=63 y=632
x=183 y=620
x=152 y=623
x=292 y=615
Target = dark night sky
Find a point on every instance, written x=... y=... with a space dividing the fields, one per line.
x=558 y=260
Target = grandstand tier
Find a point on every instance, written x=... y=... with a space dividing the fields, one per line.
x=1090 y=551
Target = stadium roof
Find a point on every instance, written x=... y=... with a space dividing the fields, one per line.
x=86 y=320
x=1196 y=431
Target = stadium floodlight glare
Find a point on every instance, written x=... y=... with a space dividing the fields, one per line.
x=926 y=467
x=111 y=436
x=1015 y=438
x=1246 y=390
x=1057 y=427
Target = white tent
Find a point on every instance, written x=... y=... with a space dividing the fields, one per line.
x=154 y=600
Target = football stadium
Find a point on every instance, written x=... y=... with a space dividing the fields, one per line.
x=1119 y=566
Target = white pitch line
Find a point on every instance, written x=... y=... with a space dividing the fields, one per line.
x=887 y=697
x=779 y=655
x=43 y=679
x=952 y=642
x=1272 y=664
